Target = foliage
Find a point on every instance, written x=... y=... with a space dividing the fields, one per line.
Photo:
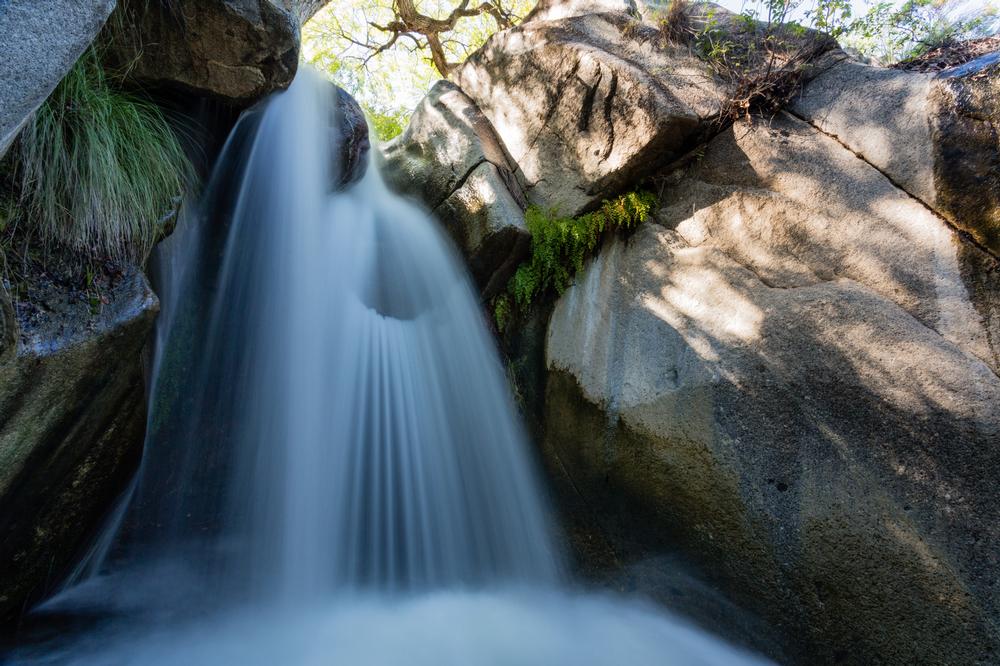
x=98 y=167
x=560 y=246
x=673 y=22
x=952 y=55
x=762 y=51
x=343 y=41
x=890 y=33
x=885 y=30
x=386 y=126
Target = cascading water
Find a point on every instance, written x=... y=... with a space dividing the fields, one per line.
x=334 y=472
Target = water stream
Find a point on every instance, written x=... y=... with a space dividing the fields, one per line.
x=334 y=472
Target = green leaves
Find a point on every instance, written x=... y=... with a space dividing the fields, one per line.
x=561 y=245
x=889 y=31
x=892 y=32
x=345 y=40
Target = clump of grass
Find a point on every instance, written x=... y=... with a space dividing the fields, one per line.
x=99 y=167
x=674 y=23
x=560 y=246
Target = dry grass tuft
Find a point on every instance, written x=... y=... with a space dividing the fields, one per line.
x=675 y=24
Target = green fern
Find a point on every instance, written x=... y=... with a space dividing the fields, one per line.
x=560 y=246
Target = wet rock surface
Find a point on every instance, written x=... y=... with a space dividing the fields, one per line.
x=351 y=145
x=73 y=401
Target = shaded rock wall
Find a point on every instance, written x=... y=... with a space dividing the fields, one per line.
x=236 y=50
x=73 y=404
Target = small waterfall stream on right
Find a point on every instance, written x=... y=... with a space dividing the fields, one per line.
x=334 y=471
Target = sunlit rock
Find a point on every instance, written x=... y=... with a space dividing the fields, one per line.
x=789 y=381
x=451 y=160
x=586 y=105
x=487 y=222
x=933 y=134
x=73 y=404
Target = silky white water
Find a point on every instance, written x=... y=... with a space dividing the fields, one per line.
x=334 y=471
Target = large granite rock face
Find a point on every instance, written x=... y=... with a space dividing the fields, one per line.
x=73 y=402
x=451 y=160
x=585 y=105
x=793 y=379
x=236 y=50
x=576 y=104
x=41 y=41
x=936 y=135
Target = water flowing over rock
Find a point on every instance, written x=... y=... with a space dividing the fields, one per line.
x=789 y=379
x=936 y=135
x=34 y=57
x=451 y=160
x=346 y=478
x=73 y=404
x=237 y=50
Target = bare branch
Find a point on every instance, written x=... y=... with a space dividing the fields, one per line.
x=425 y=32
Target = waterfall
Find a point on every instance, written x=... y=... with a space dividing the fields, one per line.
x=334 y=470
x=374 y=444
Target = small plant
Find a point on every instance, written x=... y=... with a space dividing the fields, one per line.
x=762 y=58
x=674 y=24
x=99 y=167
x=561 y=245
